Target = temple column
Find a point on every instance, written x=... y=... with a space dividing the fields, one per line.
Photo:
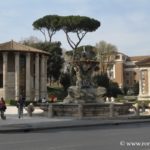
x=46 y=58
x=37 y=76
x=5 y=64
x=42 y=84
x=140 y=83
x=149 y=81
x=17 y=76
x=28 y=76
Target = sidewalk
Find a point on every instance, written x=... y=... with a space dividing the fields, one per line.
x=40 y=122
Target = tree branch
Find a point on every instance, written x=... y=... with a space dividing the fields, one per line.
x=80 y=38
x=43 y=32
x=71 y=43
x=50 y=34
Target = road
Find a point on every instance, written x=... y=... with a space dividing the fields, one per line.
x=119 y=137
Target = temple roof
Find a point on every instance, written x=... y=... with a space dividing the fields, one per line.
x=144 y=62
x=138 y=58
x=14 y=46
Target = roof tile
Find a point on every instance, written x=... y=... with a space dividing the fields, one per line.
x=14 y=46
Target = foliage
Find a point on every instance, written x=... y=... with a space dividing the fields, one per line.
x=132 y=90
x=120 y=99
x=80 y=26
x=105 y=54
x=55 y=60
x=48 y=25
x=14 y=102
x=58 y=92
x=101 y=80
x=79 y=51
x=65 y=80
x=136 y=88
x=144 y=103
x=111 y=87
x=31 y=41
x=125 y=90
x=11 y=102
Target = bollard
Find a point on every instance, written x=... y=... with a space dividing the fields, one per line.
x=50 y=111
x=30 y=109
x=80 y=111
x=137 y=110
x=111 y=110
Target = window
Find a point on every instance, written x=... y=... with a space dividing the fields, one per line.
x=127 y=81
x=127 y=73
x=117 y=57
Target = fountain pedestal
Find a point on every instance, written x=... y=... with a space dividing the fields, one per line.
x=84 y=91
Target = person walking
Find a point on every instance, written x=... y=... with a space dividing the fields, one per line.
x=30 y=109
x=20 y=105
x=2 y=108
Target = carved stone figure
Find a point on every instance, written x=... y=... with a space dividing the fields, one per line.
x=84 y=90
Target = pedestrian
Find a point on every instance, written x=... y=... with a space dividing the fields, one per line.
x=40 y=100
x=107 y=99
x=112 y=99
x=30 y=109
x=35 y=99
x=53 y=98
x=2 y=108
x=20 y=106
x=44 y=100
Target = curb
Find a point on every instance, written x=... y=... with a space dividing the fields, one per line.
x=67 y=125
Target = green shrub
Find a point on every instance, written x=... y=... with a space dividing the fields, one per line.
x=13 y=102
x=58 y=92
x=143 y=103
x=65 y=80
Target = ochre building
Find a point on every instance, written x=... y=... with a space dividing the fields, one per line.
x=127 y=71
x=23 y=71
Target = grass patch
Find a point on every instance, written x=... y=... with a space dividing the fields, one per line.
x=57 y=91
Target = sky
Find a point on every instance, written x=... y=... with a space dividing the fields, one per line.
x=124 y=23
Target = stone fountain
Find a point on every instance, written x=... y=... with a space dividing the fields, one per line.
x=84 y=98
x=84 y=91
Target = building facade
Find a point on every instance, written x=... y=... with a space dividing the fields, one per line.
x=127 y=71
x=144 y=79
x=23 y=71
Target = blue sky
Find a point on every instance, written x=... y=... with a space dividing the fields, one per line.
x=124 y=23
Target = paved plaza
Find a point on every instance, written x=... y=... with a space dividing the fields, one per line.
x=38 y=117
x=40 y=121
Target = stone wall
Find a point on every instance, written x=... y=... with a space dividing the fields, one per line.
x=87 y=110
x=11 y=85
x=1 y=92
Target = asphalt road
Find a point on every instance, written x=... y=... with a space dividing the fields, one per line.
x=119 y=137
